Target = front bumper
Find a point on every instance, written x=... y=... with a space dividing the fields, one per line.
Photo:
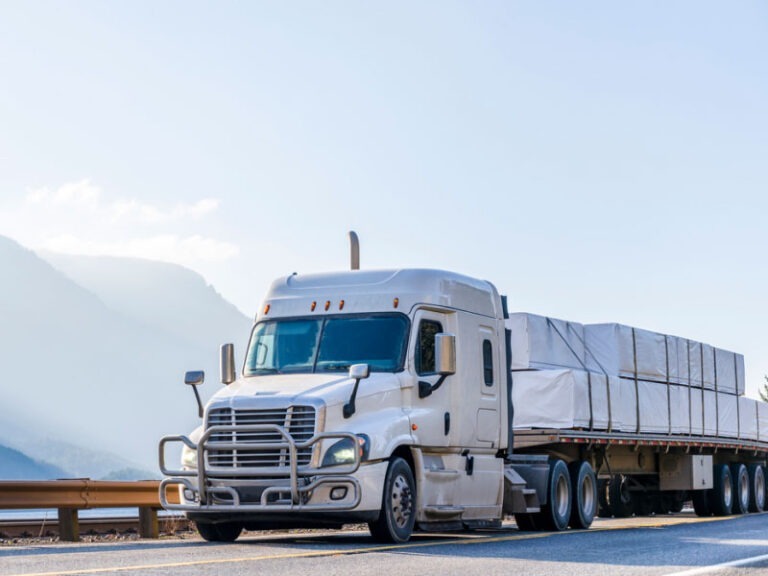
x=289 y=487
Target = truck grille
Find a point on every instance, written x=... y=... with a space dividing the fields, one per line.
x=299 y=421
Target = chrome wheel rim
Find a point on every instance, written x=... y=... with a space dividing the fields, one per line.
x=402 y=501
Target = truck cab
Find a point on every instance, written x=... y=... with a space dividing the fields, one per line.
x=365 y=396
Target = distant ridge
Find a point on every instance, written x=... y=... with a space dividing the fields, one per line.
x=98 y=362
x=17 y=466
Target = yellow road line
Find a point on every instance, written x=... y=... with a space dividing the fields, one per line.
x=368 y=549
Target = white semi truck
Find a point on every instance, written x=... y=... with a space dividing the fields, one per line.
x=386 y=397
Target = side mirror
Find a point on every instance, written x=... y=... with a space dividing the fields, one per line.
x=359 y=371
x=445 y=354
x=227 y=364
x=194 y=378
x=445 y=362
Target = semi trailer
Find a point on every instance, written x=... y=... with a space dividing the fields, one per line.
x=412 y=399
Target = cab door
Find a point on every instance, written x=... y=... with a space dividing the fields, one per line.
x=430 y=416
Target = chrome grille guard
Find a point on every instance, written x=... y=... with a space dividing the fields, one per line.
x=209 y=481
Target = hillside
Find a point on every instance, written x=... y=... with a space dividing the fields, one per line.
x=86 y=365
x=17 y=466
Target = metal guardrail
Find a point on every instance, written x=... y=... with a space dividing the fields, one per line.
x=69 y=496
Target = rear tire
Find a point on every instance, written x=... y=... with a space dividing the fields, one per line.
x=756 y=488
x=700 y=499
x=740 y=478
x=584 y=491
x=556 y=513
x=620 y=497
x=398 y=506
x=721 y=495
x=526 y=522
x=224 y=532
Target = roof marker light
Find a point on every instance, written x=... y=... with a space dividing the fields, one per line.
x=312 y=308
x=267 y=308
x=396 y=302
x=341 y=305
x=327 y=305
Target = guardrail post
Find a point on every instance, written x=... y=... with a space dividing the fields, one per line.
x=148 y=525
x=69 y=525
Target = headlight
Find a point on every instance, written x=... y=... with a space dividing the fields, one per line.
x=343 y=451
x=188 y=457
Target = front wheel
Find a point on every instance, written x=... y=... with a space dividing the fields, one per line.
x=225 y=532
x=398 y=506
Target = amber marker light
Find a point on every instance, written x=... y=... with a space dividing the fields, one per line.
x=341 y=305
x=396 y=302
x=267 y=309
x=312 y=308
x=414 y=427
x=327 y=305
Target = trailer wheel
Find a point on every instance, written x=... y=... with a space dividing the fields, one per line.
x=556 y=513
x=700 y=499
x=225 y=532
x=604 y=506
x=584 y=490
x=741 y=488
x=756 y=488
x=620 y=497
x=721 y=495
x=398 y=506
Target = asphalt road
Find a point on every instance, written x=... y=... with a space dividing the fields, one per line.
x=681 y=545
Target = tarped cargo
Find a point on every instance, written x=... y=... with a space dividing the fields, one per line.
x=680 y=411
x=620 y=350
x=748 y=418
x=654 y=407
x=561 y=399
x=727 y=415
x=539 y=342
x=566 y=398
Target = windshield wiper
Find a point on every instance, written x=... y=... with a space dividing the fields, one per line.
x=334 y=367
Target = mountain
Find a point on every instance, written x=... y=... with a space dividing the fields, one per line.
x=94 y=359
x=159 y=295
x=17 y=466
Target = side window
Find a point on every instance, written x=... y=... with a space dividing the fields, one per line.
x=487 y=363
x=425 y=347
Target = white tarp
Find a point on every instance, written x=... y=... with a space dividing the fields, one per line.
x=620 y=350
x=727 y=415
x=762 y=421
x=545 y=343
x=561 y=399
x=654 y=407
x=710 y=413
x=748 y=418
x=697 y=411
x=680 y=412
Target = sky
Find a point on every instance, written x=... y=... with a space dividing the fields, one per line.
x=598 y=161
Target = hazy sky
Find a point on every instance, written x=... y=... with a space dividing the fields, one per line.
x=598 y=161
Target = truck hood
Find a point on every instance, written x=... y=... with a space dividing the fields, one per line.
x=331 y=389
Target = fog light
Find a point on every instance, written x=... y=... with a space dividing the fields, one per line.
x=339 y=493
x=189 y=495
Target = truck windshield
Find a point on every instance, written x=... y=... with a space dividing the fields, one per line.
x=330 y=344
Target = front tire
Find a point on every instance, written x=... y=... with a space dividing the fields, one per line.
x=398 y=506
x=225 y=532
